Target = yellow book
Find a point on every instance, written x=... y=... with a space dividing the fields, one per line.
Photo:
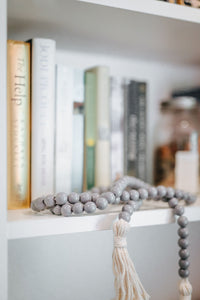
x=18 y=124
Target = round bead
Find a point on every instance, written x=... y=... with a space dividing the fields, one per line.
x=183 y=243
x=66 y=210
x=73 y=198
x=184 y=263
x=61 y=198
x=134 y=204
x=117 y=200
x=173 y=202
x=161 y=191
x=184 y=253
x=178 y=194
x=90 y=207
x=185 y=196
x=179 y=210
x=38 y=204
x=125 y=216
x=116 y=191
x=103 y=189
x=183 y=221
x=134 y=195
x=125 y=196
x=110 y=197
x=191 y=199
x=143 y=194
x=95 y=190
x=85 y=197
x=101 y=203
x=183 y=273
x=49 y=201
x=94 y=196
x=169 y=192
x=183 y=232
x=56 y=210
x=78 y=208
x=152 y=192
x=128 y=208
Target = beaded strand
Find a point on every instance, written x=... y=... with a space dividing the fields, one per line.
x=130 y=192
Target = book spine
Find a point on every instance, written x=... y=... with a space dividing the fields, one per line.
x=90 y=130
x=131 y=132
x=141 y=141
x=64 y=129
x=117 y=121
x=18 y=118
x=102 y=155
x=43 y=117
x=77 y=157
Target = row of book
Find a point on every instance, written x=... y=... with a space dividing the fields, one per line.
x=69 y=129
x=192 y=3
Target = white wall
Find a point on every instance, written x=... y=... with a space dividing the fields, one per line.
x=79 y=266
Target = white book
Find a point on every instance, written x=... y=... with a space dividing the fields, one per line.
x=117 y=128
x=78 y=148
x=102 y=153
x=64 y=128
x=43 y=108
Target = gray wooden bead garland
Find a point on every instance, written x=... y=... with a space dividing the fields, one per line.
x=130 y=192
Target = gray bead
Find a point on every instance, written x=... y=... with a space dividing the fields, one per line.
x=173 y=202
x=95 y=190
x=95 y=196
x=125 y=196
x=152 y=192
x=179 y=210
x=191 y=199
x=178 y=194
x=110 y=197
x=185 y=196
x=134 y=204
x=161 y=191
x=184 y=253
x=128 y=208
x=103 y=189
x=117 y=200
x=125 y=216
x=183 y=243
x=116 y=190
x=85 y=197
x=134 y=195
x=183 y=221
x=169 y=192
x=49 y=201
x=38 y=204
x=66 y=210
x=73 y=198
x=184 y=263
x=101 y=203
x=90 y=207
x=61 y=198
x=183 y=232
x=183 y=273
x=56 y=210
x=143 y=194
x=78 y=208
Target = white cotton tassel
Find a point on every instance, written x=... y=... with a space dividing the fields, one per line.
x=127 y=282
x=185 y=290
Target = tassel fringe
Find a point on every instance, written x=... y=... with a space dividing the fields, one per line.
x=127 y=282
x=185 y=289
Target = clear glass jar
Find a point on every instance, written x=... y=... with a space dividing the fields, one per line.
x=177 y=144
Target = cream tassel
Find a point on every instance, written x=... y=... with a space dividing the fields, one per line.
x=127 y=282
x=185 y=289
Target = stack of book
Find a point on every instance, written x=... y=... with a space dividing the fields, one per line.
x=69 y=129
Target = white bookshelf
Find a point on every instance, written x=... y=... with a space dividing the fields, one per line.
x=144 y=39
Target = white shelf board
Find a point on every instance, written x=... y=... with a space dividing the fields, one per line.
x=143 y=29
x=27 y=224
